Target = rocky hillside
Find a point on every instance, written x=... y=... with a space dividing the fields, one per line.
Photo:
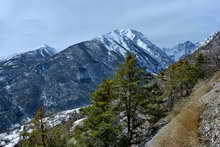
x=62 y=81
x=196 y=123
x=211 y=50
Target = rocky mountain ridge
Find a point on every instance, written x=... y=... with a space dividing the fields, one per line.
x=64 y=80
x=14 y=73
x=128 y=40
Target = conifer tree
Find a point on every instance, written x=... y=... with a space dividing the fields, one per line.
x=131 y=93
x=200 y=61
x=38 y=136
x=24 y=137
x=113 y=117
x=100 y=129
x=39 y=127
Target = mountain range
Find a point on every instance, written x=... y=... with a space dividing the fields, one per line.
x=64 y=80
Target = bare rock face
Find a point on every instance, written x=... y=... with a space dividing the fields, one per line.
x=210 y=124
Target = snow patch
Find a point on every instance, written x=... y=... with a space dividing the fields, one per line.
x=10 y=139
x=128 y=33
x=210 y=38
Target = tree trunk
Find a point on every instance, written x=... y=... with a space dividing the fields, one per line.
x=43 y=136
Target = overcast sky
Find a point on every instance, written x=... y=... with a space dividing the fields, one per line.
x=26 y=24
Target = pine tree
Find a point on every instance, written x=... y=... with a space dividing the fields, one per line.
x=57 y=136
x=100 y=129
x=24 y=137
x=200 y=61
x=132 y=94
x=38 y=136
x=40 y=126
x=181 y=77
x=113 y=117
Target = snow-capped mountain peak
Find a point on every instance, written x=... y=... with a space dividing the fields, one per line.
x=44 y=50
x=129 y=33
x=42 y=46
x=127 y=40
x=124 y=33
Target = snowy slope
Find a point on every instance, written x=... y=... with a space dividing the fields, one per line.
x=42 y=51
x=127 y=40
x=181 y=50
x=209 y=39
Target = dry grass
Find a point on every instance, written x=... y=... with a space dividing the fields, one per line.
x=216 y=77
x=182 y=131
x=178 y=106
x=200 y=89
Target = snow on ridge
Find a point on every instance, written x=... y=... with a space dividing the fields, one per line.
x=209 y=39
x=112 y=40
x=129 y=40
x=182 y=49
x=127 y=32
x=60 y=117
x=121 y=33
x=43 y=48
x=117 y=40
x=46 y=48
